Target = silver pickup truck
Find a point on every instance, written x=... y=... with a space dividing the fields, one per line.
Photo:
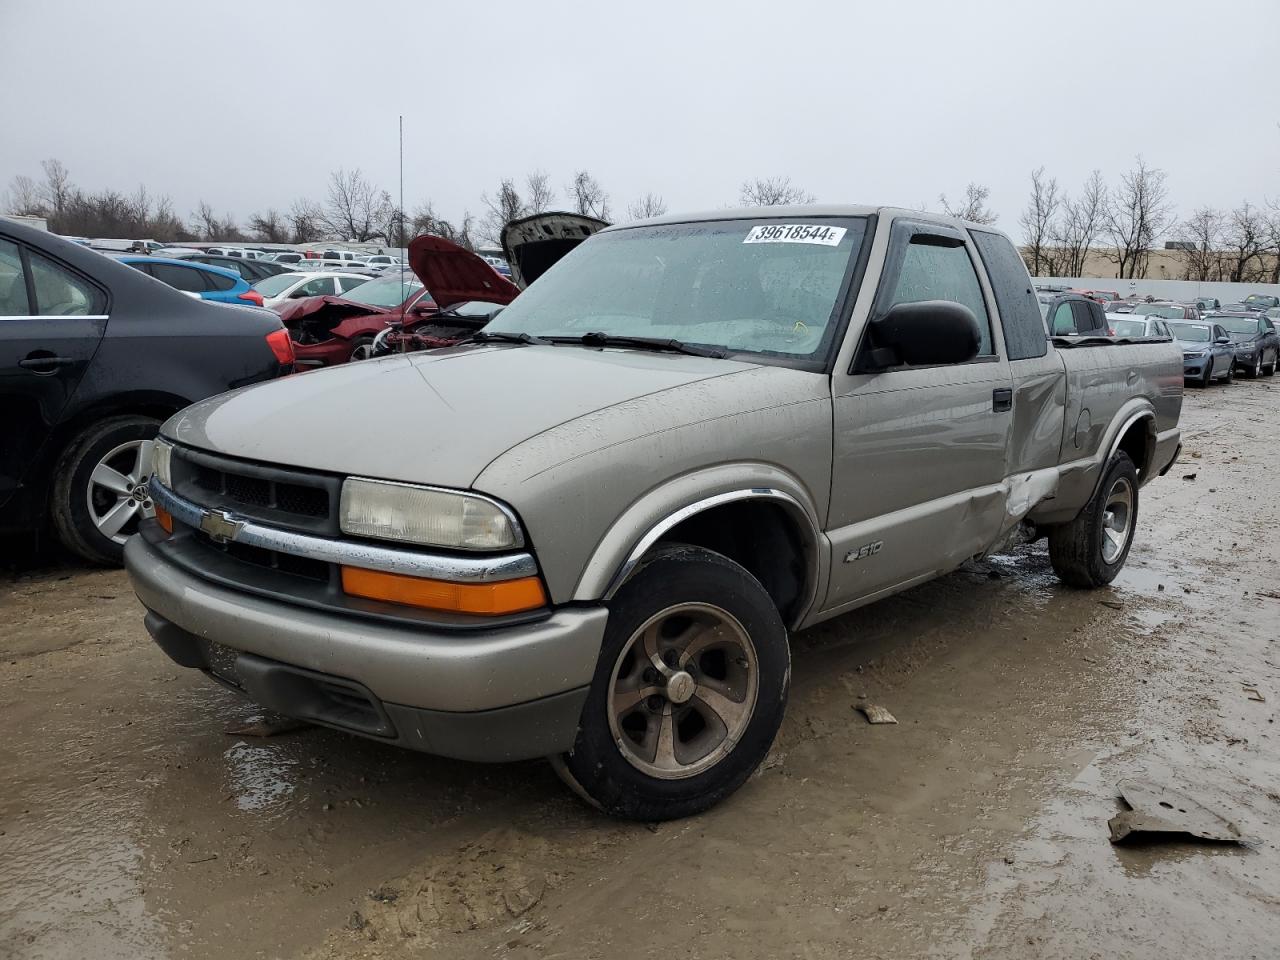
x=586 y=533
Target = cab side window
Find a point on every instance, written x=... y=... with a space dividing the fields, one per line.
x=943 y=273
x=13 y=283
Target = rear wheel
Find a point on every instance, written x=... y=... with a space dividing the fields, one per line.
x=100 y=487
x=1090 y=550
x=689 y=690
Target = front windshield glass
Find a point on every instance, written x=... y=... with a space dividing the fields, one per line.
x=1192 y=332
x=756 y=286
x=274 y=286
x=383 y=292
x=1164 y=311
x=1238 y=325
x=1129 y=328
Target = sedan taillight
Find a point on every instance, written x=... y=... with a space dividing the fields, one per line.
x=281 y=345
x=252 y=296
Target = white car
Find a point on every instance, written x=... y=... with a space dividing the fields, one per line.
x=286 y=256
x=294 y=286
x=242 y=252
x=380 y=260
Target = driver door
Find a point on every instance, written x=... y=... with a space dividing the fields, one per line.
x=919 y=452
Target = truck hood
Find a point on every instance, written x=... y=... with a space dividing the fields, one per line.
x=438 y=418
x=533 y=245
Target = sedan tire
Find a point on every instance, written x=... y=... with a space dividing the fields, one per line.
x=1090 y=550
x=100 y=487
x=1270 y=369
x=688 y=693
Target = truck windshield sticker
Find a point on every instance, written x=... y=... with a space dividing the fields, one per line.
x=795 y=233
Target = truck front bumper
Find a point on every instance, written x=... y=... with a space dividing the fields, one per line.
x=510 y=693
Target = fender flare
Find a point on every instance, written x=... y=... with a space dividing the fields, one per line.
x=619 y=552
x=1139 y=410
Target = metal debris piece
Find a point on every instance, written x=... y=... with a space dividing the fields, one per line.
x=267 y=727
x=1156 y=809
x=875 y=714
x=1113 y=604
x=1254 y=694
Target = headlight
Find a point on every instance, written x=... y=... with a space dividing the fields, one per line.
x=161 y=458
x=427 y=515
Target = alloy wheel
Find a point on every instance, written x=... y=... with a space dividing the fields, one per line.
x=117 y=494
x=1117 y=518
x=683 y=690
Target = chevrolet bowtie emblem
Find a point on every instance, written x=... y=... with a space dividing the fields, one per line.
x=220 y=526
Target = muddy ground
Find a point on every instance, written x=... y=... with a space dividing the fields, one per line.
x=133 y=824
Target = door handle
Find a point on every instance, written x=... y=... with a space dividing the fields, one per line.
x=1002 y=399
x=45 y=364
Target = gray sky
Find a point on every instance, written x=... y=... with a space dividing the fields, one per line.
x=888 y=102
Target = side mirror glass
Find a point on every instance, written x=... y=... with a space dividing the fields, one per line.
x=924 y=333
x=1223 y=340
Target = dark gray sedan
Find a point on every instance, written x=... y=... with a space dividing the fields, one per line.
x=1254 y=339
x=1207 y=353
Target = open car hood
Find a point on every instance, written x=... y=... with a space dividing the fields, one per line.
x=455 y=275
x=327 y=311
x=534 y=244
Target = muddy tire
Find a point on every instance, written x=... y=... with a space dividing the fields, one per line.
x=1256 y=370
x=1208 y=376
x=1270 y=369
x=1231 y=375
x=688 y=693
x=1090 y=550
x=99 y=491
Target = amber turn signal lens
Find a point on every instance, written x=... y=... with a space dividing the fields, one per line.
x=165 y=518
x=508 y=596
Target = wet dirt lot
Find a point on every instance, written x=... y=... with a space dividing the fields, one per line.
x=133 y=824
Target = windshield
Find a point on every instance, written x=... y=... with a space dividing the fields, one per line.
x=1162 y=310
x=1260 y=298
x=1238 y=325
x=1129 y=328
x=1191 y=332
x=383 y=292
x=755 y=286
x=274 y=286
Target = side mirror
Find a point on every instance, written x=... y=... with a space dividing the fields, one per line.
x=1223 y=340
x=924 y=333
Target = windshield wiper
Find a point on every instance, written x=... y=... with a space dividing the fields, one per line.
x=498 y=336
x=600 y=339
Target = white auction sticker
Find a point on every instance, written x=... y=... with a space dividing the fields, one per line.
x=795 y=233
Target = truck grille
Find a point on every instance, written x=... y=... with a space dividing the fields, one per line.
x=293 y=499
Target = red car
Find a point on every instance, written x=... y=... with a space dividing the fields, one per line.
x=332 y=330
x=1098 y=296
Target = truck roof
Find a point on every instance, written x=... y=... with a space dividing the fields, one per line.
x=805 y=210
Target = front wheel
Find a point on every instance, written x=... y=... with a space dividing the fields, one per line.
x=688 y=693
x=1090 y=550
x=361 y=348
x=1270 y=369
x=100 y=487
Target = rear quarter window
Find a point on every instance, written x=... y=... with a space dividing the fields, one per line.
x=1024 y=331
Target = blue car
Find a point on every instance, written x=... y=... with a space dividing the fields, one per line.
x=197 y=279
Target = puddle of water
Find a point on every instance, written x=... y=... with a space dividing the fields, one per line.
x=260 y=778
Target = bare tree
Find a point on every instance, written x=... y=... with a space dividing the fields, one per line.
x=1202 y=235
x=1038 y=220
x=1246 y=243
x=650 y=205
x=305 y=220
x=351 y=212
x=1137 y=214
x=974 y=208
x=57 y=186
x=206 y=221
x=425 y=220
x=269 y=227
x=772 y=192
x=1081 y=223
x=1273 y=232
x=501 y=209
x=589 y=198
x=140 y=207
x=540 y=192
x=24 y=197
